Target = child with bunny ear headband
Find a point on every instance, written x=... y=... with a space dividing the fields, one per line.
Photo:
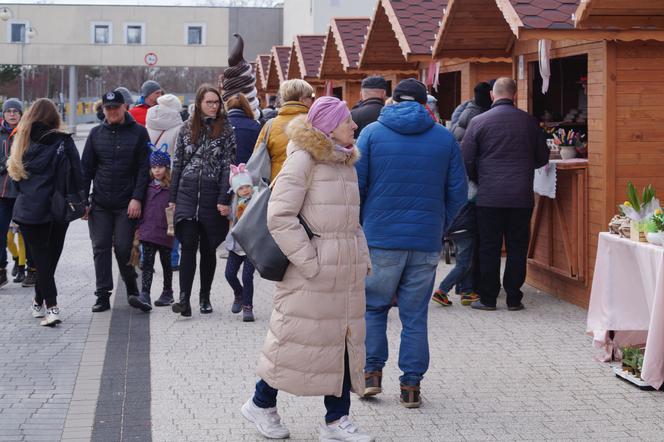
x=243 y=189
x=153 y=232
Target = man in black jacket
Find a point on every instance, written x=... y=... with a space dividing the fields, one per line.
x=373 y=92
x=502 y=148
x=115 y=161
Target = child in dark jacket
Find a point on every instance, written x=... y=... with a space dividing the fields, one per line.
x=152 y=232
x=242 y=186
x=462 y=233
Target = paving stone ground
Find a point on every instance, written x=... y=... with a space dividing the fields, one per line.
x=124 y=375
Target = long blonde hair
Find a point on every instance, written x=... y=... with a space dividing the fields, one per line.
x=43 y=111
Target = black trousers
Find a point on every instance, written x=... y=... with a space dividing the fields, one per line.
x=192 y=235
x=149 y=253
x=112 y=229
x=494 y=224
x=45 y=242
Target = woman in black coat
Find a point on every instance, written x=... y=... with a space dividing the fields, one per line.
x=204 y=151
x=37 y=151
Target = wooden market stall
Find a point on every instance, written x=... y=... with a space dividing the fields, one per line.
x=605 y=82
x=305 y=59
x=341 y=54
x=272 y=75
x=262 y=66
x=399 y=39
x=281 y=57
x=460 y=70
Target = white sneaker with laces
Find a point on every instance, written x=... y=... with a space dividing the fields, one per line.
x=38 y=310
x=52 y=317
x=343 y=430
x=267 y=420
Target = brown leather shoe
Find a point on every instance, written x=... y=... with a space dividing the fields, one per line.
x=410 y=396
x=372 y=383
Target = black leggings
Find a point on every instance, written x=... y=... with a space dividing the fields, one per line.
x=149 y=253
x=191 y=235
x=45 y=242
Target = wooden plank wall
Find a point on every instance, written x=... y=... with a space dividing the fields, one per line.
x=488 y=71
x=464 y=68
x=600 y=154
x=639 y=116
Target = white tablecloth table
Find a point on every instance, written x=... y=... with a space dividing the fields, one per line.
x=627 y=297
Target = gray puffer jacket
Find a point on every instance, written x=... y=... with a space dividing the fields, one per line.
x=471 y=111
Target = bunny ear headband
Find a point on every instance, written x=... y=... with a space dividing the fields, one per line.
x=236 y=170
x=163 y=148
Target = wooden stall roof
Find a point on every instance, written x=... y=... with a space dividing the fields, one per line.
x=306 y=55
x=620 y=14
x=281 y=57
x=273 y=80
x=262 y=66
x=405 y=27
x=341 y=49
x=474 y=29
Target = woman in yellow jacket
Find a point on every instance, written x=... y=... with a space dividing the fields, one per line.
x=296 y=96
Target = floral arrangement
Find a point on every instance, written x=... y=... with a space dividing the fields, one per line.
x=562 y=137
x=639 y=210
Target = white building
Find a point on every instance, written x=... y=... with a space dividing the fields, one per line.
x=114 y=35
x=307 y=17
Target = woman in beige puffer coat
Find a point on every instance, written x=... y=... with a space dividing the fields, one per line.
x=315 y=342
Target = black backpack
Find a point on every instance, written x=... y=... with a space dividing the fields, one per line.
x=67 y=204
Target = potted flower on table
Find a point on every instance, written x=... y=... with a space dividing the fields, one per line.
x=639 y=211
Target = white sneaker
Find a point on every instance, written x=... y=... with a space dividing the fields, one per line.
x=343 y=430
x=38 y=311
x=267 y=420
x=52 y=317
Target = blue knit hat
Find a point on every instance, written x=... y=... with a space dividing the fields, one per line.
x=159 y=156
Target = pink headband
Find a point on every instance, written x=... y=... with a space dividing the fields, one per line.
x=236 y=170
x=327 y=113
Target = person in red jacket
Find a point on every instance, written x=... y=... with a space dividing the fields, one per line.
x=150 y=91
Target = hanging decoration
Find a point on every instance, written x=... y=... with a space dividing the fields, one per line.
x=545 y=63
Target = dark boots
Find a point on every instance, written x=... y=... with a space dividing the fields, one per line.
x=205 y=305
x=183 y=306
x=3 y=277
x=20 y=274
x=165 y=299
x=30 y=278
x=103 y=302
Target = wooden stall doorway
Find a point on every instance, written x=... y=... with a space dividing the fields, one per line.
x=448 y=93
x=566 y=102
x=559 y=225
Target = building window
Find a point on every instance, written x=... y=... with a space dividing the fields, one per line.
x=134 y=33
x=102 y=33
x=17 y=31
x=194 y=34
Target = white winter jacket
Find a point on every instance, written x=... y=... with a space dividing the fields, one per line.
x=163 y=124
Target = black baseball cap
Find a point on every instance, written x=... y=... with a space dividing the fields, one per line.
x=410 y=90
x=112 y=98
x=374 y=82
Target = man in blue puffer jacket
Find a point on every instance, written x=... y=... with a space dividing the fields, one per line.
x=412 y=184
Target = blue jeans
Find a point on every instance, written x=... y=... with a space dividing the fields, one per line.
x=175 y=254
x=461 y=275
x=246 y=289
x=410 y=276
x=337 y=407
x=6 y=209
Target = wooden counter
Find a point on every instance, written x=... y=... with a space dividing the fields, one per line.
x=557 y=255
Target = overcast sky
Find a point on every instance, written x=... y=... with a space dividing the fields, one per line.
x=144 y=2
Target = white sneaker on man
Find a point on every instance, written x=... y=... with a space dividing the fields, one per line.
x=343 y=430
x=38 y=310
x=52 y=317
x=267 y=420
